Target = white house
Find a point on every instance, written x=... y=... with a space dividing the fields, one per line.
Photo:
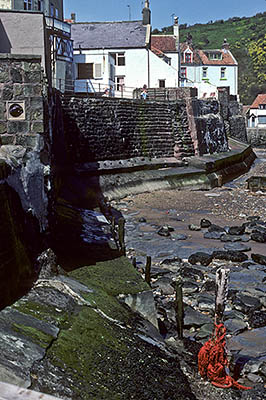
x=256 y=115
x=204 y=69
x=117 y=55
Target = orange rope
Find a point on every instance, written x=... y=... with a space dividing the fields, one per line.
x=212 y=361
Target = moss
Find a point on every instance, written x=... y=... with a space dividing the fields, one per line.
x=113 y=276
x=37 y=336
x=42 y=312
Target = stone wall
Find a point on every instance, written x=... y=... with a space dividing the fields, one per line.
x=22 y=184
x=99 y=129
x=256 y=137
x=231 y=112
x=113 y=129
x=20 y=81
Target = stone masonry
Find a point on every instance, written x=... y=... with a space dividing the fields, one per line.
x=20 y=81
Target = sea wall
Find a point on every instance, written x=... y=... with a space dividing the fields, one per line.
x=99 y=129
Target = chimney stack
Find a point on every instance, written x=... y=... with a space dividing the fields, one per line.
x=146 y=12
x=225 y=46
x=73 y=17
x=176 y=32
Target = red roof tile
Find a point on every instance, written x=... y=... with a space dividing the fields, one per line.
x=164 y=43
x=227 y=58
x=260 y=99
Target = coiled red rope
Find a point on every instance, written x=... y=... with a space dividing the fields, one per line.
x=212 y=361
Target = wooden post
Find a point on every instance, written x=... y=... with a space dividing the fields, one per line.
x=121 y=235
x=221 y=292
x=148 y=270
x=134 y=262
x=179 y=309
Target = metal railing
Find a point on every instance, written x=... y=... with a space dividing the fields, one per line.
x=96 y=89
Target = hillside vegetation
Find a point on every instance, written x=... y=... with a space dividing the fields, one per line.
x=247 y=39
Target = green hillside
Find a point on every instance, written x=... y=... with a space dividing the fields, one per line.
x=247 y=39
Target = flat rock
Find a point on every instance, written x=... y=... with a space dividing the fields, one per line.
x=237 y=247
x=230 y=255
x=213 y=235
x=235 y=326
x=193 y=318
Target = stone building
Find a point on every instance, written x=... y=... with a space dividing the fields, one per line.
x=43 y=32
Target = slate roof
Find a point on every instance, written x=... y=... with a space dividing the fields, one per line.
x=260 y=99
x=108 y=35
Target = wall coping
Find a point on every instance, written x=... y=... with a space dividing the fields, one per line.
x=9 y=56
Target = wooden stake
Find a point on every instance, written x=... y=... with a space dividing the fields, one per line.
x=179 y=308
x=221 y=292
x=121 y=235
x=148 y=270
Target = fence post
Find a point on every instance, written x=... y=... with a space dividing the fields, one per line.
x=87 y=88
x=179 y=310
x=121 y=235
x=221 y=291
x=148 y=270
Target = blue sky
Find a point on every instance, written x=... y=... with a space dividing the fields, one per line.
x=189 y=12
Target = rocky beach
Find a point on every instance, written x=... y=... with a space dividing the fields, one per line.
x=193 y=233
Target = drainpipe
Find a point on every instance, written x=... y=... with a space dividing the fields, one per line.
x=148 y=65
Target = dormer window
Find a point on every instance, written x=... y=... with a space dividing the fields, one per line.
x=188 y=58
x=214 y=55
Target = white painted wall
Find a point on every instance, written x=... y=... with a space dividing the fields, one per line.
x=97 y=57
x=141 y=67
x=254 y=122
x=213 y=80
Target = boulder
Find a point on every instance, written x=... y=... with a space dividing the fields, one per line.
x=200 y=258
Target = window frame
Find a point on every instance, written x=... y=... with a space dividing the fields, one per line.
x=120 y=85
x=183 y=72
x=161 y=83
x=91 y=68
x=27 y=5
x=223 y=73
x=204 y=72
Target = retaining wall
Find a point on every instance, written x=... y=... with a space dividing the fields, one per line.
x=256 y=137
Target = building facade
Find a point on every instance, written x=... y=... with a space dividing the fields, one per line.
x=256 y=115
x=206 y=70
x=42 y=31
x=118 y=56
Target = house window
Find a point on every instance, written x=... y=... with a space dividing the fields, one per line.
x=262 y=119
x=262 y=106
x=204 y=72
x=27 y=4
x=40 y=5
x=214 y=56
x=119 y=83
x=161 y=83
x=188 y=58
x=223 y=70
x=183 y=72
x=89 y=71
